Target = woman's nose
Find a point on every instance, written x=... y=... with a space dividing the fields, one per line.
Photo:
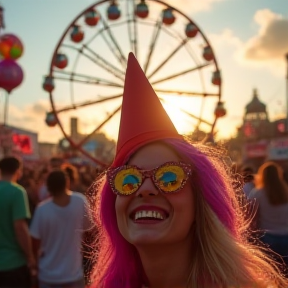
x=147 y=189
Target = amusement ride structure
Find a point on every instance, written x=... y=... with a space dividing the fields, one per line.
x=87 y=69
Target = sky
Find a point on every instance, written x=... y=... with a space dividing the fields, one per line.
x=249 y=39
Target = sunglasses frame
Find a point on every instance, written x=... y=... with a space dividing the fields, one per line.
x=112 y=173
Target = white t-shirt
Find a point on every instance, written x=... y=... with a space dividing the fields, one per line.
x=272 y=218
x=43 y=193
x=60 y=231
x=247 y=188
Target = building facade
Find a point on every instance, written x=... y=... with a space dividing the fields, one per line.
x=261 y=138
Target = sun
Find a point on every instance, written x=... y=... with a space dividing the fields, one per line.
x=183 y=124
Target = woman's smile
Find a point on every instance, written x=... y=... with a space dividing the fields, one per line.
x=149 y=212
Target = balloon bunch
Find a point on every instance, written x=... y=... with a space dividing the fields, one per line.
x=11 y=74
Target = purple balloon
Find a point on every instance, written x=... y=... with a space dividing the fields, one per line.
x=11 y=75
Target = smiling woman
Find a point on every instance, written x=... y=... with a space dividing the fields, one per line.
x=167 y=210
x=171 y=215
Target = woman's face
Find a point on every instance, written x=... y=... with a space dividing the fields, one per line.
x=177 y=210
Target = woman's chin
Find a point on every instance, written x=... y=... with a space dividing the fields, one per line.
x=144 y=238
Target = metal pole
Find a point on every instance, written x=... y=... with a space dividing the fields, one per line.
x=6 y=105
x=1 y=111
x=286 y=56
x=2 y=26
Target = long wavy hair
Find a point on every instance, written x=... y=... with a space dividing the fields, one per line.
x=222 y=256
x=270 y=178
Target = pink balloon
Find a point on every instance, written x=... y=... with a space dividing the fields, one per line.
x=11 y=75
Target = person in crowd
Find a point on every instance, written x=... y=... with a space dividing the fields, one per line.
x=247 y=173
x=41 y=184
x=271 y=216
x=57 y=229
x=16 y=256
x=73 y=175
x=28 y=181
x=88 y=237
x=54 y=164
x=166 y=209
x=87 y=176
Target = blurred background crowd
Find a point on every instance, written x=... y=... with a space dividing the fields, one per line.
x=35 y=175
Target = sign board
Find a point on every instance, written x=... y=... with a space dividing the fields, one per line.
x=20 y=142
x=278 y=149
x=256 y=149
x=90 y=146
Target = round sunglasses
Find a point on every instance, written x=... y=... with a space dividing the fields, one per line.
x=170 y=177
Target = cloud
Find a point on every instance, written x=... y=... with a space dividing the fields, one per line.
x=40 y=108
x=31 y=117
x=265 y=50
x=226 y=38
x=195 y=6
x=271 y=41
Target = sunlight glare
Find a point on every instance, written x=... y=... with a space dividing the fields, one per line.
x=183 y=124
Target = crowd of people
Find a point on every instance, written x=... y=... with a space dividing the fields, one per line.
x=167 y=213
x=267 y=191
x=34 y=177
x=41 y=214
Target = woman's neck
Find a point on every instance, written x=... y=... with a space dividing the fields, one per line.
x=167 y=266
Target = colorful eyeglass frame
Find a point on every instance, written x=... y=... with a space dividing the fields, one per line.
x=168 y=178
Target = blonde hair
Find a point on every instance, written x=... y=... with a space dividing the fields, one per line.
x=224 y=260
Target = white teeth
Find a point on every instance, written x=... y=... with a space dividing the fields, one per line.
x=159 y=216
x=150 y=214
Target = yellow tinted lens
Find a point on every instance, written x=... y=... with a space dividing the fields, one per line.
x=170 y=178
x=127 y=181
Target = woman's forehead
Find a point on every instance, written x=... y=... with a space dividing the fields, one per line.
x=153 y=155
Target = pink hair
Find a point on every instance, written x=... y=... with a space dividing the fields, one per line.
x=118 y=264
x=211 y=179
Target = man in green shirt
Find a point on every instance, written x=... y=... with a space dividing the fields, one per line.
x=16 y=256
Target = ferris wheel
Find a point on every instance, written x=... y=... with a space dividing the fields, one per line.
x=87 y=70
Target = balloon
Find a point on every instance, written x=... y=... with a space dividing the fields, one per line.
x=10 y=47
x=11 y=75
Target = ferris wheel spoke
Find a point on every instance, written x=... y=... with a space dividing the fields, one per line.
x=168 y=58
x=132 y=30
x=188 y=93
x=154 y=38
x=97 y=128
x=187 y=113
x=82 y=78
x=135 y=33
x=180 y=73
x=197 y=118
x=100 y=61
x=117 y=52
x=88 y=103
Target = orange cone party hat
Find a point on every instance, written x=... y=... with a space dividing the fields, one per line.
x=143 y=118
